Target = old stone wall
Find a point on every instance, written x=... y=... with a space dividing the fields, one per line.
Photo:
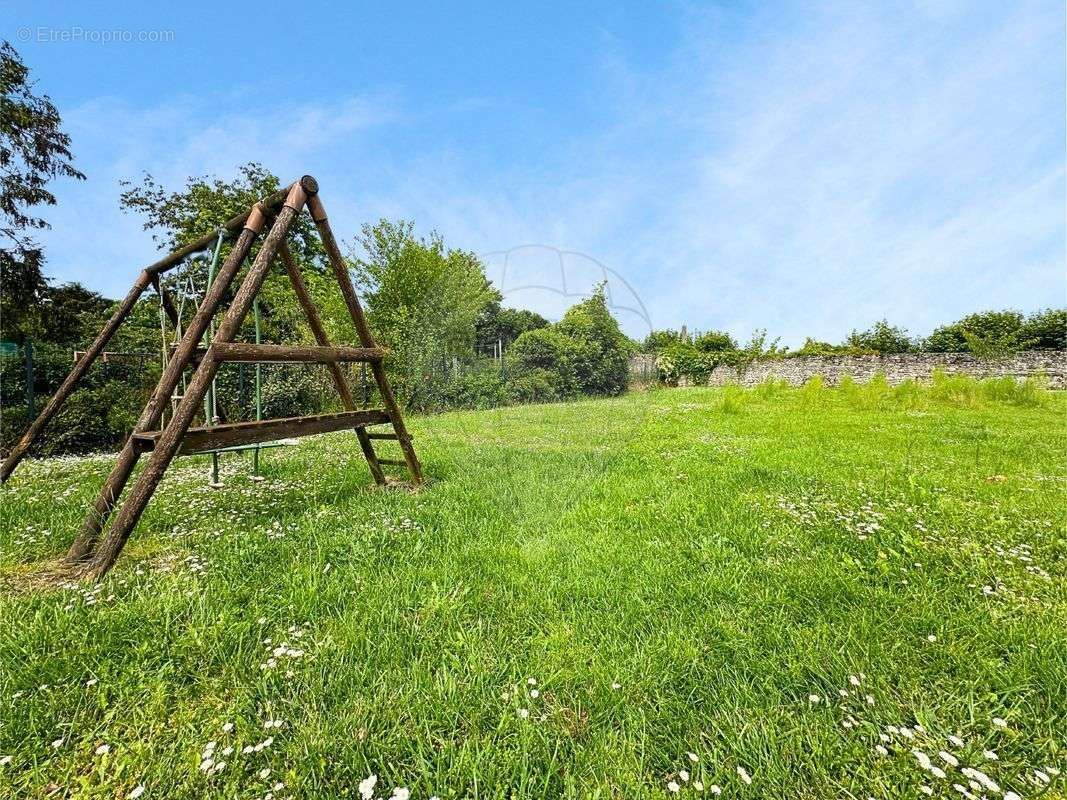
x=897 y=368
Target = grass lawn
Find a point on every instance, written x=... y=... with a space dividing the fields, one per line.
x=813 y=590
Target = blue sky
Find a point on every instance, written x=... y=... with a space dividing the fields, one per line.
x=804 y=167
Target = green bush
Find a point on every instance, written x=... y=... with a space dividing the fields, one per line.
x=550 y=351
x=601 y=357
x=533 y=386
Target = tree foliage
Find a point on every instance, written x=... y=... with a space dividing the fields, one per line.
x=504 y=325
x=657 y=340
x=34 y=150
x=423 y=299
x=714 y=342
x=882 y=338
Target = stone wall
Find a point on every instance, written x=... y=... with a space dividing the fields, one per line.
x=898 y=368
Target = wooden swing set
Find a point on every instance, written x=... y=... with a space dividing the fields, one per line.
x=95 y=550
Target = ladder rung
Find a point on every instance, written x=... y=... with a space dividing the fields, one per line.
x=199 y=440
x=393 y=462
x=241 y=351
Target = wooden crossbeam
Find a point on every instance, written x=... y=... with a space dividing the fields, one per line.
x=393 y=462
x=243 y=351
x=203 y=439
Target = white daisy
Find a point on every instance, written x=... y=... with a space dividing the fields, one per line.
x=366 y=787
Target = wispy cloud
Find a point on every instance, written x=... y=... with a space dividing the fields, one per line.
x=807 y=170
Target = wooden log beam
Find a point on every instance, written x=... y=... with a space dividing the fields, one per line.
x=208 y=239
x=235 y=434
x=339 y=382
x=355 y=310
x=122 y=524
x=280 y=353
x=183 y=354
x=18 y=452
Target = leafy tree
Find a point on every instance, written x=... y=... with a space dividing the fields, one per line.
x=714 y=342
x=177 y=217
x=505 y=325
x=72 y=314
x=1045 y=330
x=881 y=338
x=423 y=299
x=813 y=347
x=33 y=151
x=604 y=366
x=657 y=340
x=549 y=352
x=986 y=332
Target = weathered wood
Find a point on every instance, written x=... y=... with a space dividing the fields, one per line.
x=18 y=452
x=120 y=473
x=165 y=300
x=208 y=239
x=280 y=353
x=207 y=438
x=355 y=310
x=303 y=296
x=126 y=518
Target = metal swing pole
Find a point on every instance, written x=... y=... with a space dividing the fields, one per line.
x=259 y=398
x=211 y=416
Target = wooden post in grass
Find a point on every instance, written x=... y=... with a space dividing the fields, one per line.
x=167 y=447
x=120 y=473
x=340 y=271
x=18 y=452
x=319 y=332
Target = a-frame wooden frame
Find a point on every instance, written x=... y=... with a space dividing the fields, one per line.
x=96 y=548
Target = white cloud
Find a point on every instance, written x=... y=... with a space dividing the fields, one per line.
x=808 y=172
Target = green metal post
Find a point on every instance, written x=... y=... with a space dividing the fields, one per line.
x=259 y=387
x=31 y=398
x=210 y=406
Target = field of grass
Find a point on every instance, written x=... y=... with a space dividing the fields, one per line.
x=768 y=593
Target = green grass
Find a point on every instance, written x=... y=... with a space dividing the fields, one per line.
x=677 y=570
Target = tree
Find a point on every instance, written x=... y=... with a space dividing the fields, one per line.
x=177 y=217
x=504 y=325
x=33 y=151
x=548 y=352
x=604 y=364
x=984 y=332
x=1045 y=330
x=715 y=342
x=423 y=299
x=657 y=340
x=881 y=338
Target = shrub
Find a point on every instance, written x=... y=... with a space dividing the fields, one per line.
x=881 y=338
x=548 y=350
x=714 y=342
x=533 y=386
x=1045 y=330
x=602 y=355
